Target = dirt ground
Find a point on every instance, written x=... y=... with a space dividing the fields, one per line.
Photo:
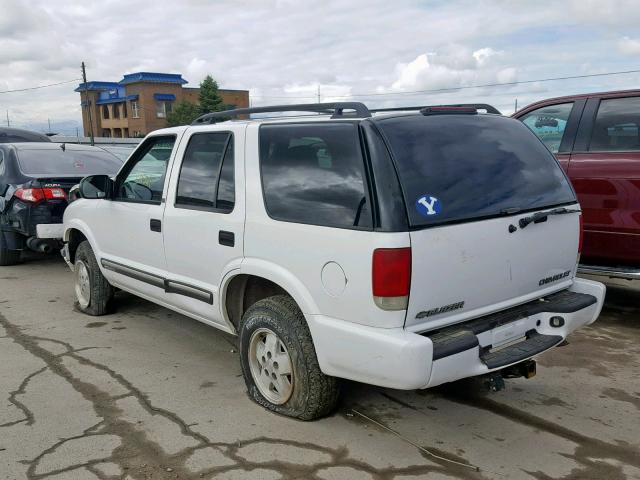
x=145 y=393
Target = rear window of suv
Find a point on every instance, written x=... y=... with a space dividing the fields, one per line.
x=70 y=161
x=455 y=168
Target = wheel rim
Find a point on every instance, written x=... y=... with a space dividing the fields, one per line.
x=271 y=366
x=83 y=284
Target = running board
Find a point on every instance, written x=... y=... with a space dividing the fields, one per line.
x=534 y=344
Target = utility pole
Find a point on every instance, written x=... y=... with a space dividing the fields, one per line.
x=88 y=103
x=8 y=123
x=319 y=93
x=516 y=107
x=49 y=122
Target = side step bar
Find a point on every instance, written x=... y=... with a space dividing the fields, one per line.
x=534 y=344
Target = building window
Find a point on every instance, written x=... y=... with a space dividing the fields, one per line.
x=105 y=112
x=163 y=109
x=116 y=111
x=135 y=109
x=124 y=110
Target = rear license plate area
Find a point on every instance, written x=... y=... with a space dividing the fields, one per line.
x=509 y=334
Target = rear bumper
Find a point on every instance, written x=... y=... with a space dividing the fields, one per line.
x=396 y=358
x=625 y=273
x=49 y=230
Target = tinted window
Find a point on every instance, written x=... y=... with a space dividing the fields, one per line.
x=203 y=170
x=144 y=174
x=461 y=167
x=314 y=174
x=70 y=161
x=616 y=125
x=549 y=123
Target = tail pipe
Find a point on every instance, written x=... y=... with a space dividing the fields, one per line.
x=39 y=245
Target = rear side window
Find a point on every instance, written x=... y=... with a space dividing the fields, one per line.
x=206 y=175
x=549 y=123
x=313 y=174
x=456 y=168
x=617 y=126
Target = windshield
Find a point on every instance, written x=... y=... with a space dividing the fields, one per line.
x=40 y=162
x=462 y=167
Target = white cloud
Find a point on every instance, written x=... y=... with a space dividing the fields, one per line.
x=281 y=48
x=629 y=46
x=457 y=68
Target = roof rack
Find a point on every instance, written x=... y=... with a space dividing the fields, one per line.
x=336 y=110
x=476 y=106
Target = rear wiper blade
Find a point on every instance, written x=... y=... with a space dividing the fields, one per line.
x=541 y=216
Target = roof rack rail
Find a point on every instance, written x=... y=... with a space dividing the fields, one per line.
x=477 y=106
x=336 y=110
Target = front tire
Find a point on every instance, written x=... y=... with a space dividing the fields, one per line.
x=8 y=257
x=93 y=292
x=279 y=361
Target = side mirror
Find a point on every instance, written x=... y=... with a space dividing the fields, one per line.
x=96 y=186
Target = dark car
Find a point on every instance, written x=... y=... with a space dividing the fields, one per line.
x=14 y=135
x=35 y=179
x=596 y=139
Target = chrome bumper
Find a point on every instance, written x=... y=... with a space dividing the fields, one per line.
x=611 y=272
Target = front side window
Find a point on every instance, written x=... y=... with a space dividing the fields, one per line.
x=549 y=123
x=143 y=177
x=206 y=176
x=617 y=126
x=313 y=174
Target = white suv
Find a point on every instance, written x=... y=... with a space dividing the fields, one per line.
x=404 y=249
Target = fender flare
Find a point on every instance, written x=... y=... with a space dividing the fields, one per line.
x=276 y=274
x=83 y=228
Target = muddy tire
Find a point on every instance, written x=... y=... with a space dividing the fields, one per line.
x=93 y=293
x=279 y=361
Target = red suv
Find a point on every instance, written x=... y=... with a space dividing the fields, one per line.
x=596 y=138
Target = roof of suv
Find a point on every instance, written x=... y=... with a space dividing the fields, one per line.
x=566 y=98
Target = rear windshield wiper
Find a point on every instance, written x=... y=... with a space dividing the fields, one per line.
x=541 y=216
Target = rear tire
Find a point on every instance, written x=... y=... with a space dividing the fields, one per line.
x=8 y=257
x=93 y=292
x=274 y=340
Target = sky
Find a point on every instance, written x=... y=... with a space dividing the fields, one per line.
x=375 y=51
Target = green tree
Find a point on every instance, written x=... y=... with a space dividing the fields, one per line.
x=183 y=114
x=210 y=98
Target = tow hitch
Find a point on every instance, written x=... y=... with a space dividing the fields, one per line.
x=526 y=369
x=494 y=382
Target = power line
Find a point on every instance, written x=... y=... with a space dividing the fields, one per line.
x=40 y=86
x=448 y=89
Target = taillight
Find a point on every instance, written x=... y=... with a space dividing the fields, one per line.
x=35 y=195
x=580 y=238
x=581 y=234
x=391 y=277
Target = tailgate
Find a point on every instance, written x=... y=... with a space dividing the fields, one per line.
x=471 y=269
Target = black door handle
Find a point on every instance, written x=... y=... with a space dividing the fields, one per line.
x=226 y=238
x=155 y=225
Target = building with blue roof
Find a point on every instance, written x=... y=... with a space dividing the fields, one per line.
x=140 y=103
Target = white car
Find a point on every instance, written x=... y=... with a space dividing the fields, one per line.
x=405 y=249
